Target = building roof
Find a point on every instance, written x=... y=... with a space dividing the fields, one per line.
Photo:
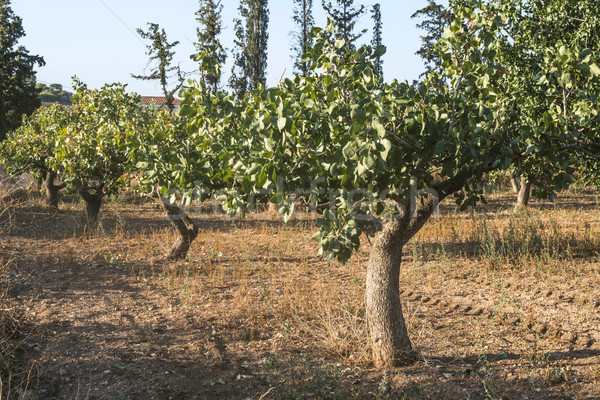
x=159 y=100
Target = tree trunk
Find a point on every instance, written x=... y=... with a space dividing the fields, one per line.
x=514 y=183
x=93 y=202
x=524 y=194
x=186 y=230
x=51 y=190
x=387 y=329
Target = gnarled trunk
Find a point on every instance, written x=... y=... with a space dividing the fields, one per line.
x=186 y=230
x=93 y=201
x=524 y=194
x=51 y=190
x=387 y=329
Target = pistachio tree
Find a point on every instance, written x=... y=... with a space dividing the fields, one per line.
x=374 y=157
x=31 y=148
x=92 y=154
x=187 y=158
x=550 y=54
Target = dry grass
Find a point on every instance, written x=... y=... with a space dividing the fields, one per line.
x=17 y=375
x=496 y=302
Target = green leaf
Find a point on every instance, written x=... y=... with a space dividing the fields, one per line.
x=289 y=213
x=281 y=123
x=348 y=151
x=379 y=128
x=186 y=111
x=254 y=169
x=379 y=51
x=387 y=144
x=269 y=144
x=369 y=162
x=361 y=169
x=595 y=69
x=566 y=78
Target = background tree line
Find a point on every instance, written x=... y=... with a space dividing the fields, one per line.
x=249 y=53
x=20 y=95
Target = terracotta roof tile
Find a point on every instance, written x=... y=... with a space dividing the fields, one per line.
x=159 y=100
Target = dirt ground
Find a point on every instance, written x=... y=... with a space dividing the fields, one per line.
x=253 y=313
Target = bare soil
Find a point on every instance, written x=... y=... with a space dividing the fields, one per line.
x=254 y=313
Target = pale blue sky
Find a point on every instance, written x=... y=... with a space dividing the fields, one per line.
x=96 y=39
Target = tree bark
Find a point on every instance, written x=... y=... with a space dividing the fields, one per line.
x=93 y=201
x=388 y=334
x=51 y=190
x=186 y=230
x=387 y=328
x=524 y=194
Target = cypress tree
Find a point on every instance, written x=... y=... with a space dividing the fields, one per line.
x=377 y=41
x=301 y=40
x=18 y=94
x=344 y=15
x=250 y=64
x=209 y=19
x=238 y=81
x=434 y=18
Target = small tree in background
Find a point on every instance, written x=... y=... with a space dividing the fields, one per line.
x=209 y=18
x=160 y=52
x=18 y=94
x=92 y=155
x=377 y=41
x=54 y=93
x=31 y=148
x=344 y=15
x=301 y=40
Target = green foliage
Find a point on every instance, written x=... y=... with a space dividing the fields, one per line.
x=250 y=58
x=54 y=93
x=377 y=41
x=209 y=18
x=345 y=137
x=87 y=145
x=344 y=15
x=18 y=94
x=551 y=58
x=434 y=19
x=301 y=40
x=31 y=147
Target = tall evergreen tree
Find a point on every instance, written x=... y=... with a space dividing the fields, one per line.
x=238 y=81
x=160 y=52
x=377 y=41
x=434 y=18
x=301 y=40
x=18 y=94
x=344 y=15
x=250 y=56
x=209 y=18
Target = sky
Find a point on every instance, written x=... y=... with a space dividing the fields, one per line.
x=96 y=40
